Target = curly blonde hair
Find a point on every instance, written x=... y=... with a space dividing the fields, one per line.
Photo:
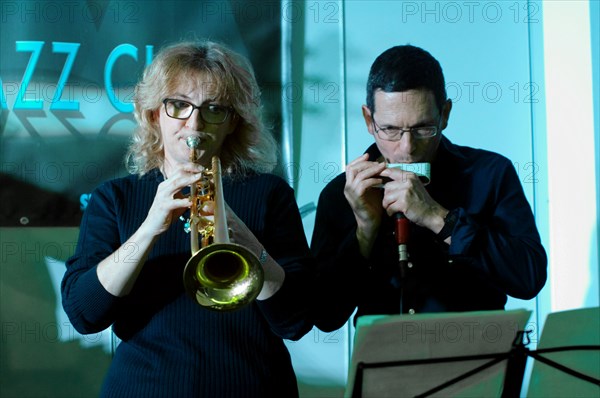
x=250 y=148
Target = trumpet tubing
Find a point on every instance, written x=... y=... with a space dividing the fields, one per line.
x=220 y=275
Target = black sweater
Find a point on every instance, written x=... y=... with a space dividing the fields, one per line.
x=172 y=347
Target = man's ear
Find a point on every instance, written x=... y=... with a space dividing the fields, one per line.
x=446 y=113
x=368 y=119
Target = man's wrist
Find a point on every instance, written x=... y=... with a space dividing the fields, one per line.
x=450 y=221
x=365 y=241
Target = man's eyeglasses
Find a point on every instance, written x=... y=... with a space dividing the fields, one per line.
x=209 y=113
x=395 y=133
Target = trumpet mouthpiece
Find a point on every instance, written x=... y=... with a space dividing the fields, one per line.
x=193 y=141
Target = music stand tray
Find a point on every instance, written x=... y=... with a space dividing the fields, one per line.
x=567 y=361
x=444 y=355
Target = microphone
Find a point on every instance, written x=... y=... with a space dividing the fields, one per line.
x=423 y=171
x=402 y=229
x=401 y=232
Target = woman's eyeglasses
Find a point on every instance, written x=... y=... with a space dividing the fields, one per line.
x=209 y=113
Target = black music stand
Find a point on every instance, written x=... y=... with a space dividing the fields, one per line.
x=567 y=361
x=473 y=354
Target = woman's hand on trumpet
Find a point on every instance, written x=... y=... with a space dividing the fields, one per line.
x=241 y=235
x=118 y=272
x=169 y=203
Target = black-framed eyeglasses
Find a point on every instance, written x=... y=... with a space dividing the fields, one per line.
x=396 y=133
x=209 y=113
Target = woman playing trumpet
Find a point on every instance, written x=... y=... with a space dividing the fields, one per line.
x=128 y=265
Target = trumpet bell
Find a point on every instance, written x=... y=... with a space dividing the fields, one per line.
x=223 y=277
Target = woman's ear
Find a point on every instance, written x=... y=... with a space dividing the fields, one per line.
x=154 y=115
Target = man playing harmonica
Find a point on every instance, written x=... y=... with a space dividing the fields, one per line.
x=471 y=237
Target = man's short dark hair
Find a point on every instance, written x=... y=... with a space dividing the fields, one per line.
x=403 y=68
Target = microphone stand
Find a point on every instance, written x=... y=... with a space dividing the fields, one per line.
x=423 y=171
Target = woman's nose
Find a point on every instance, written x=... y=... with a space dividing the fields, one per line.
x=195 y=121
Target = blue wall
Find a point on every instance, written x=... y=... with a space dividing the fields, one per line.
x=492 y=54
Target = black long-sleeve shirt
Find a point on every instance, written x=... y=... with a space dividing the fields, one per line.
x=495 y=250
x=172 y=347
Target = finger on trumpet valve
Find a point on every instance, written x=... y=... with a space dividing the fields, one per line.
x=207 y=208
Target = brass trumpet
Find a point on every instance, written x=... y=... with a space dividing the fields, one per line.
x=220 y=275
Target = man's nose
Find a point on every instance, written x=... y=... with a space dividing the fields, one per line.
x=406 y=141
